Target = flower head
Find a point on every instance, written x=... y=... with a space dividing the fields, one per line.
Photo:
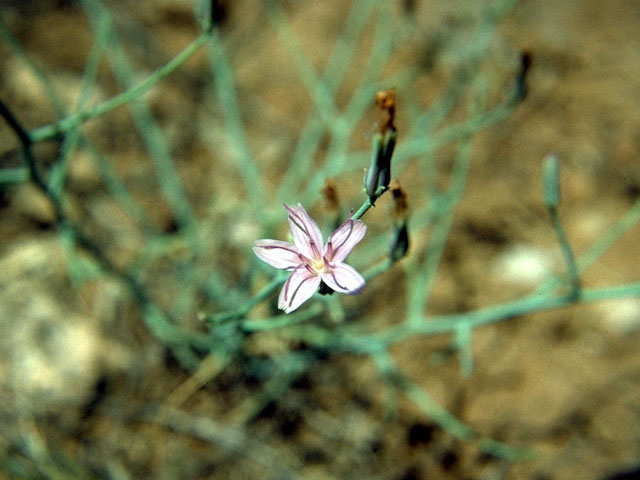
x=310 y=261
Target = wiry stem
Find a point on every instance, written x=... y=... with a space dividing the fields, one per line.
x=57 y=129
x=159 y=324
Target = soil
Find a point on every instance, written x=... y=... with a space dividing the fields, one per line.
x=88 y=391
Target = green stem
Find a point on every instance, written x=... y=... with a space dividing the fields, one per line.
x=72 y=121
x=59 y=169
x=319 y=92
x=248 y=306
x=232 y=115
x=368 y=203
x=602 y=245
x=363 y=209
x=150 y=132
x=445 y=419
x=486 y=316
x=284 y=320
x=456 y=131
x=334 y=162
x=423 y=275
x=311 y=136
x=378 y=268
x=567 y=252
x=11 y=176
x=159 y=324
x=356 y=342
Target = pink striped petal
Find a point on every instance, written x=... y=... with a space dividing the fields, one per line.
x=282 y=255
x=306 y=233
x=342 y=241
x=344 y=278
x=298 y=288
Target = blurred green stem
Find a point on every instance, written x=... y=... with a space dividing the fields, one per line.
x=156 y=320
x=59 y=168
x=450 y=323
x=230 y=108
x=150 y=132
x=446 y=420
x=72 y=121
x=604 y=243
x=567 y=252
x=315 y=128
x=262 y=295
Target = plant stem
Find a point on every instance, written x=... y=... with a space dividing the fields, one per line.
x=55 y=130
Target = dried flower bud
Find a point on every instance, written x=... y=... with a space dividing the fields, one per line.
x=521 y=88
x=386 y=102
x=332 y=201
x=400 y=239
x=389 y=143
x=330 y=193
x=384 y=141
x=401 y=206
x=399 y=243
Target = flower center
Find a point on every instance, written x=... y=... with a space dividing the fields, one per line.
x=318 y=265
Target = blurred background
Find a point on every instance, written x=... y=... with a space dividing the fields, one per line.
x=140 y=352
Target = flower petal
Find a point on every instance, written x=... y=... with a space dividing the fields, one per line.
x=298 y=288
x=344 y=278
x=342 y=241
x=282 y=255
x=306 y=233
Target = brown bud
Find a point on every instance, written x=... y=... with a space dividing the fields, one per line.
x=330 y=193
x=399 y=242
x=400 y=239
x=521 y=88
x=386 y=102
x=401 y=206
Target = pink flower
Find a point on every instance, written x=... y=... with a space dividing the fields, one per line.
x=309 y=261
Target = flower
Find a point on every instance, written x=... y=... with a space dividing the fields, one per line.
x=309 y=261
